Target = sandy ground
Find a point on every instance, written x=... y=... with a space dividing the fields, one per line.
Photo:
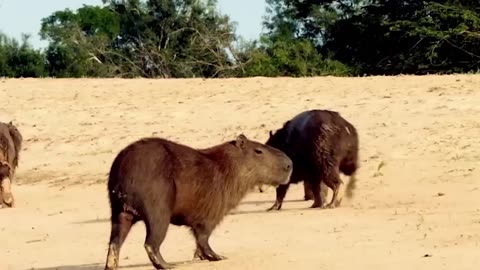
x=419 y=210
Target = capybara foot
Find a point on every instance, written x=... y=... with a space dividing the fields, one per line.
x=157 y=259
x=338 y=202
x=318 y=205
x=332 y=205
x=275 y=206
x=212 y=256
x=308 y=197
x=163 y=265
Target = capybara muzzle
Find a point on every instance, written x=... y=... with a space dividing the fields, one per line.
x=288 y=167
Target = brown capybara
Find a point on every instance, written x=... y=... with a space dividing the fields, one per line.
x=10 y=145
x=321 y=144
x=160 y=182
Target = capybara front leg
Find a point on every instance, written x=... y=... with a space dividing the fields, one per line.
x=121 y=225
x=307 y=190
x=281 y=192
x=156 y=232
x=318 y=202
x=203 y=250
x=6 y=190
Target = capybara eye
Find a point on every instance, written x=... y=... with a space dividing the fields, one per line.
x=258 y=151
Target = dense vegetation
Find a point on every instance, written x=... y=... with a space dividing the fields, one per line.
x=190 y=38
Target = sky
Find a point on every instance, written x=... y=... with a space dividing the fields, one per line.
x=24 y=16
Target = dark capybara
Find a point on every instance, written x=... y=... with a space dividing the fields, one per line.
x=160 y=182
x=321 y=144
x=10 y=146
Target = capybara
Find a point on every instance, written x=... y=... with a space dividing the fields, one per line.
x=10 y=146
x=321 y=144
x=161 y=182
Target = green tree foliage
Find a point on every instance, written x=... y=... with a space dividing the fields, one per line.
x=385 y=36
x=290 y=46
x=190 y=38
x=20 y=59
x=414 y=37
x=172 y=38
x=289 y=57
x=78 y=41
x=155 y=38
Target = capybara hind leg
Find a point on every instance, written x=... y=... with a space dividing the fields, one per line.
x=334 y=183
x=156 y=232
x=121 y=225
x=281 y=192
x=307 y=190
x=204 y=251
x=323 y=192
x=318 y=202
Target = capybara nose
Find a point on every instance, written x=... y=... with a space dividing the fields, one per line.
x=288 y=166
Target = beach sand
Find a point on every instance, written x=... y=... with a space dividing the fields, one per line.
x=416 y=206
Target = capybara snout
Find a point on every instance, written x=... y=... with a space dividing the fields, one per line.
x=288 y=168
x=277 y=166
x=288 y=165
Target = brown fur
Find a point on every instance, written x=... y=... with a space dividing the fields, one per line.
x=10 y=147
x=321 y=144
x=162 y=182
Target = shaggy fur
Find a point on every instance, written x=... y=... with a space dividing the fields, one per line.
x=321 y=144
x=162 y=182
x=10 y=146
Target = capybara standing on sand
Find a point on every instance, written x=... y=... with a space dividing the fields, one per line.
x=161 y=182
x=321 y=144
x=10 y=146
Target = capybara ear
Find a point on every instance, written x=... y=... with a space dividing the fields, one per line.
x=240 y=141
x=271 y=133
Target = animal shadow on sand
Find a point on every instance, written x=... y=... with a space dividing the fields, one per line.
x=256 y=211
x=101 y=266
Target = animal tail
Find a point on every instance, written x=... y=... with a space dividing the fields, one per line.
x=349 y=167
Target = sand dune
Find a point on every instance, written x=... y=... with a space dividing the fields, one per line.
x=417 y=205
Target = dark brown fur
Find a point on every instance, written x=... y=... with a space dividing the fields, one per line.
x=321 y=144
x=162 y=182
x=10 y=146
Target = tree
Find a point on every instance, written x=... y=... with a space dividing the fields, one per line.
x=130 y=38
x=20 y=59
x=384 y=36
x=78 y=41
x=167 y=38
x=415 y=37
x=292 y=42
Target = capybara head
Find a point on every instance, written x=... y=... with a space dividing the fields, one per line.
x=262 y=163
x=277 y=139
